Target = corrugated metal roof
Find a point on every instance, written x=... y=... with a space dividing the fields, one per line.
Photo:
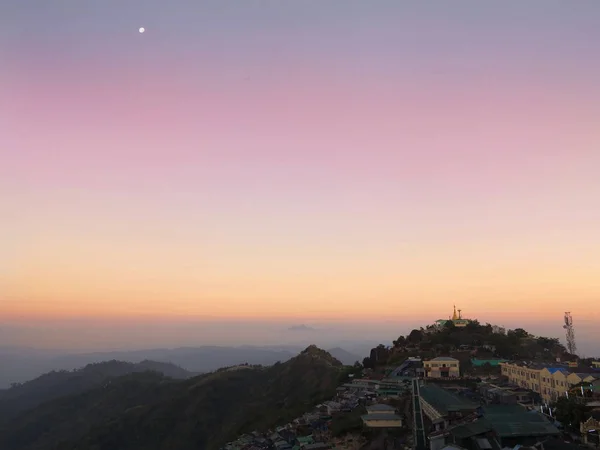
x=467 y=430
x=514 y=420
x=444 y=401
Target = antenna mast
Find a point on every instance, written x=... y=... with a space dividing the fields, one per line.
x=570 y=332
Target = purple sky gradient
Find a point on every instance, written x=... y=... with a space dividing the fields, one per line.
x=299 y=158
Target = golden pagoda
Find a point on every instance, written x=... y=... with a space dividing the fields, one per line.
x=456 y=318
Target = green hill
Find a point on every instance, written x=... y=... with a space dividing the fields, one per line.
x=484 y=341
x=148 y=411
x=56 y=384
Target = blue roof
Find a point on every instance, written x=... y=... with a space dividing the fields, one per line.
x=553 y=370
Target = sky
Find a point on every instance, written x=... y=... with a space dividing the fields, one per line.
x=363 y=164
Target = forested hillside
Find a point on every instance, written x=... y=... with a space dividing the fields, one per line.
x=23 y=396
x=150 y=412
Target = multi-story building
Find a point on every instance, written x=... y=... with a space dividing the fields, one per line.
x=596 y=364
x=550 y=382
x=525 y=376
x=576 y=378
x=442 y=367
x=554 y=383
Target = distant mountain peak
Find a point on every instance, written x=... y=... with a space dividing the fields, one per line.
x=316 y=353
x=301 y=328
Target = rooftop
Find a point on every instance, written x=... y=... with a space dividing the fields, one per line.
x=443 y=358
x=380 y=407
x=468 y=430
x=444 y=401
x=380 y=417
x=527 y=364
x=514 y=420
x=481 y=362
x=585 y=375
x=553 y=370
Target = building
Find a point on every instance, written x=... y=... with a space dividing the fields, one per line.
x=596 y=364
x=493 y=394
x=482 y=362
x=381 y=416
x=554 y=383
x=443 y=408
x=550 y=382
x=527 y=376
x=497 y=395
x=442 y=367
x=576 y=378
x=502 y=426
x=382 y=420
x=456 y=319
x=380 y=408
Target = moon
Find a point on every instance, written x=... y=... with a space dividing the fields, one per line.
x=142 y=29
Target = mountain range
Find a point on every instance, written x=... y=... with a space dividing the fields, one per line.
x=55 y=384
x=95 y=408
x=22 y=364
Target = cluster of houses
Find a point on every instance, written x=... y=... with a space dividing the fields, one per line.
x=308 y=432
x=499 y=414
x=511 y=410
x=456 y=420
x=311 y=431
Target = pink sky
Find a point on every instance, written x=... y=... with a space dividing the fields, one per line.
x=315 y=166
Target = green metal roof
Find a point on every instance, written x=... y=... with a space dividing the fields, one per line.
x=467 y=430
x=306 y=439
x=444 y=401
x=492 y=362
x=514 y=420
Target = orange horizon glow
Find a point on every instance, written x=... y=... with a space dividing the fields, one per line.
x=322 y=163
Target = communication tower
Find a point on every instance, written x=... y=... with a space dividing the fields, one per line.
x=570 y=332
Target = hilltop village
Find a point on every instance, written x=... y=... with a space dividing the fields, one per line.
x=455 y=384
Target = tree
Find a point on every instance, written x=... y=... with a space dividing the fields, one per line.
x=487 y=329
x=400 y=342
x=415 y=336
x=367 y=363
x=425 y=346
x=519 y=333
x=473 y=326
x=570 y=411
x=379 y=355
x=548 y=343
